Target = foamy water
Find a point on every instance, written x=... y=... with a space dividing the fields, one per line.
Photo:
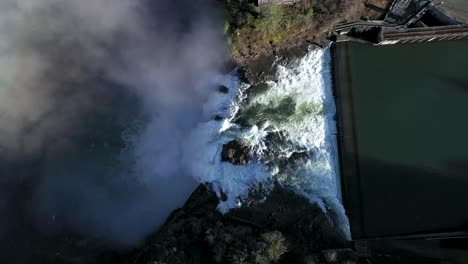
x=290 y=125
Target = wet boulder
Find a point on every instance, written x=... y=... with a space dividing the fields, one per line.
x=223 y=89
x=298 y=159
x=236 y=153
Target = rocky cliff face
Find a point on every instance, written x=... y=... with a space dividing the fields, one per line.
x=285 y=228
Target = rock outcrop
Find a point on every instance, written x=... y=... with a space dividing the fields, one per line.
x=236 y=153
x=285 y=228
x=223 y=89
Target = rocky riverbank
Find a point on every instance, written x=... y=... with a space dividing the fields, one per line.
x=285 y=228
x=254 y=32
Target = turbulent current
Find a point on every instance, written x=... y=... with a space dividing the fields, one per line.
x=105 y=141
x=290 y=126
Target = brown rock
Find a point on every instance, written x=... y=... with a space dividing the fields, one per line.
x=236 y=153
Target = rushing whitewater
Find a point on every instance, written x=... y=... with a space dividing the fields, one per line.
x=290 y=126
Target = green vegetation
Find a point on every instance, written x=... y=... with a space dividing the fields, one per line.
x=271 y=248
x=251 y=26
x=253 y=30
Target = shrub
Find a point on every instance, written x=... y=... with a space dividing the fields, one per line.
x=240 y=257
x=250 y=26
x=271 y=248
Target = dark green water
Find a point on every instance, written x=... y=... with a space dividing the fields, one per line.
x=410 y=105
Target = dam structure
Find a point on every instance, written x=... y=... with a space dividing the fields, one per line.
x=405 y=21
x=400 y=105
x=424 y=34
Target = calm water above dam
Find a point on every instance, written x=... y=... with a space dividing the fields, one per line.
x=408 y=168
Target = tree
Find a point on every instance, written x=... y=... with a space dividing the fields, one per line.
x=271 y=248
